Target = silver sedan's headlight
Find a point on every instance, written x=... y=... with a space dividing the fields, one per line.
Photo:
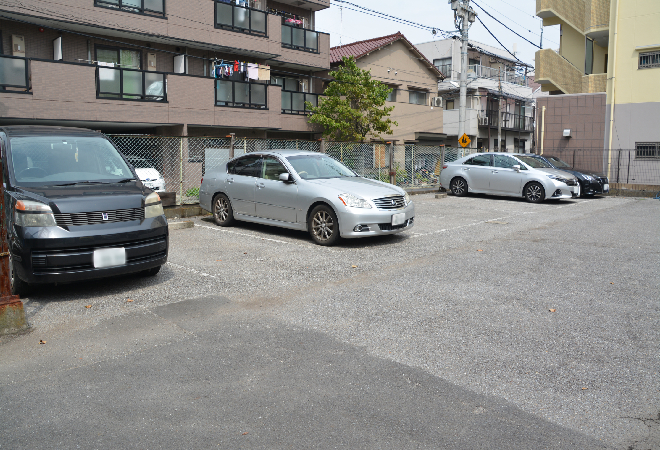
x=152 y=206
x=406 y=198
x=353 y=201
x=560 y=179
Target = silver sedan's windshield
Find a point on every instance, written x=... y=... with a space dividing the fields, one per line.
x=535 y=163
x=313 y=167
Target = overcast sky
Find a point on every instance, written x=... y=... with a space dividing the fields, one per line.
x=349 y=26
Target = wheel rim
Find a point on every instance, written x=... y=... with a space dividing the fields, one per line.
x=221 y=209
x=459 y=187
x=323 y=225
x=534 y=192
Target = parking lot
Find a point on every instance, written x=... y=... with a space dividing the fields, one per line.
x=549 y=308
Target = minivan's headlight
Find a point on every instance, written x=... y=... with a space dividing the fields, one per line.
x=152 y=206
x=406 y=198
x=353 y=201
x=33 y=214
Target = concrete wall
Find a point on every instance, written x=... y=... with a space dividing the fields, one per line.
x=584 y=114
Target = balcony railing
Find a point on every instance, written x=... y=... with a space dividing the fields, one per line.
x=232 y=17
x=241 y=94
x=300 y=39
x=150 y=7
x=494 y=73
x=294 y=102
x=130 y=84
x=14 y=73
x=510 y=121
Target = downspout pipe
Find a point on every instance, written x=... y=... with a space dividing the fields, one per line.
x=542 y=127
x=613 y=81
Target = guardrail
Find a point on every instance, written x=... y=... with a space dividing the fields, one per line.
x=232 y=17
x=294 y=102
x=300 y=39
x=130 y=84
x=14 y=73
x=241 y=94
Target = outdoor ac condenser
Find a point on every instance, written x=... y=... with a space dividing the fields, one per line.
x=437 y=102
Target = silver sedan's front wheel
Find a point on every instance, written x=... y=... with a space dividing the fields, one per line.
x=534 y=193
x=323 y=226
x=222 y=211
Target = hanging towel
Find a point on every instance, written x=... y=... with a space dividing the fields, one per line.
x=236 y=64
x=253 y=71
x=264 y=73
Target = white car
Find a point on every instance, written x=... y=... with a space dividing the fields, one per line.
x=149 y=176
x=514 y=175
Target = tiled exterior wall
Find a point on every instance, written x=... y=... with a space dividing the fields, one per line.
x=598 y=14
x=571 y=11
x=584 y=114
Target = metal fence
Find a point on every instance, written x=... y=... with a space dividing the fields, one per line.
x=176 y=165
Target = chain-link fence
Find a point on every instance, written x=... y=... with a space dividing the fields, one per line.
x=174 y=166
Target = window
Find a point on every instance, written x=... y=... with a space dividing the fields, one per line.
x=248 y=166
x=589 y=57
x=449 y=104
x=240 y=94
x=647 y=150
x=417 y=97
x=272 y=168
x=649 y=60
x=240 y=18
x=443 y=65
x=391 y=97
x=481 y=160
x=150 y=7
x=505 y=162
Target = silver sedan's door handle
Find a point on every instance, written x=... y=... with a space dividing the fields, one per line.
x=466 y=168
x=261 y=185
x=495 y=171
x=230 y=180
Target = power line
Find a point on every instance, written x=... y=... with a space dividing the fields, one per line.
x=498 y=41
x=498 y=21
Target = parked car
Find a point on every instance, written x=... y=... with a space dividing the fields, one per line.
x=145 y=169
x=515 y=175
x=591 y=183
x=75 y=210
x=305 y=191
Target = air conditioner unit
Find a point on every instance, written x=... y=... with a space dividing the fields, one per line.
x=437 y=102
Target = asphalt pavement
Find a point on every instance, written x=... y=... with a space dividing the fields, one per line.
x=492 y=324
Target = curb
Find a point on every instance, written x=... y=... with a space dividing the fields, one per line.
x=180 y=225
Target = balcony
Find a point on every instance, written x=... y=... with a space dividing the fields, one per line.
x=594 y=83
x=592 y=16
x=147 y=7
x=493 y=73
x=240 y=94
x=297 y=38
x=130 y=84
x=556 y=73
x=14 y=74
x=241 y=19
x=510 y=121
x=294 y=102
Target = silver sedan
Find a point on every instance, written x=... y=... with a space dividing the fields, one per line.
x=515 y=175
x=305 y=191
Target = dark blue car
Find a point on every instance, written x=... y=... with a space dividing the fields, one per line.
x=591 y=183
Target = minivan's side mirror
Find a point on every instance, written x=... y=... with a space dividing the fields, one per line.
x=286 y=177
x=516 y=168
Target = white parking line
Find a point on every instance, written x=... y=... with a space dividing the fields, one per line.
x=188 y=269
x=243 y=234
x=496 y=219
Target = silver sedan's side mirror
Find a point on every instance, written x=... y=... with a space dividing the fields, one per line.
x=516 y=168
x=286 y=177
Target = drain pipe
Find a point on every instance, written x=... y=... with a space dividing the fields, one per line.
x=542 y=127
x=613 y=102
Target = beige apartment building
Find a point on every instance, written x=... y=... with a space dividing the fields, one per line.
x=166 y=67
x=604 y=78
x=396 y=62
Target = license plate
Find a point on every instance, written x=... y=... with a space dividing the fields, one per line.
x=398 y=219
x=606 y=188
x=109 y=257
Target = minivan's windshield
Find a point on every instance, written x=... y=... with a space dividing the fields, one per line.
x=65 y=160
x=535 y=163
x=313 y=167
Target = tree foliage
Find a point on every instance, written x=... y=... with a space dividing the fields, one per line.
x=353 y=106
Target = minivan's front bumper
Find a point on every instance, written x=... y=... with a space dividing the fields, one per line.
x=58 y=255
x=374 y=222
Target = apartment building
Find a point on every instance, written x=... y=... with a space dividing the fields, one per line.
x=394 y=61
x=603 y=79
x=165 y=67
x=499 y=92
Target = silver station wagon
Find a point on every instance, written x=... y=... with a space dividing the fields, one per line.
x=305 y=191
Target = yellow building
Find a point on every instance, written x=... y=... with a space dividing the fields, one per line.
x=604 y=80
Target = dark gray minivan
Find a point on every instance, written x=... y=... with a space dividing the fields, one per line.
x=75 y=208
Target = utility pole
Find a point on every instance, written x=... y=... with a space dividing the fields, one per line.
x=464 y=15
x=499 y=113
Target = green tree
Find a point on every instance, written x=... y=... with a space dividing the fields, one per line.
x=353 y=106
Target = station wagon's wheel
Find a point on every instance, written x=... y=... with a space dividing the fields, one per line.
x=18 y=286
x=458 y=187
x=534 y=192
x=323 y=225
x=222 y=211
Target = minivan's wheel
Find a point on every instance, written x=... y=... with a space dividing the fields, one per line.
x=458 y=187
x=534 y=193
x=222 y=211
x=18 y=286
x=150 y=272
x=323 y=225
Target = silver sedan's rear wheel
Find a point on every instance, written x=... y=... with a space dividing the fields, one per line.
x=323 y=225
x=222 y=211
x=458 y=187
x=534 y=193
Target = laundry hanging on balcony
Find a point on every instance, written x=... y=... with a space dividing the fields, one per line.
x=252 y=71
x=264 y=73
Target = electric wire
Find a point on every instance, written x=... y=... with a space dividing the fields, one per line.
x=498 y=21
